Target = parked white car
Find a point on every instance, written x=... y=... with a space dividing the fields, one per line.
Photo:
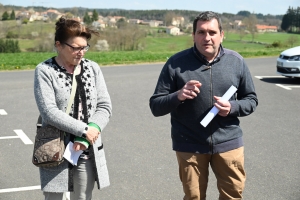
x=288 y=63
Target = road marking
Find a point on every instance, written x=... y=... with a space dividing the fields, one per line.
x=23 y=136
x=38 y=187
x=261 y=77
x=9 y=137
x=294 y=86
x=284 y=87
x=2 y=112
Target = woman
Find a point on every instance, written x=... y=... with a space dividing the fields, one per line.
x=88 y=117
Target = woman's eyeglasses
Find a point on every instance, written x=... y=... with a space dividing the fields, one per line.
x=78 y=49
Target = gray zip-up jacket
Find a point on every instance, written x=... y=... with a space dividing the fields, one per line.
x=222 y=133
x=52 y=89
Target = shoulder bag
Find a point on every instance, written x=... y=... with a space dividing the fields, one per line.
x=49 y=144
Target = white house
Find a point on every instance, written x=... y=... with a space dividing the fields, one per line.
x=172 y=30
x=155 y=23
x=176 y=21
x=99 y=24
x=134 y=21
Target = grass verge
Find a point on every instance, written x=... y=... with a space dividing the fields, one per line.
x=29 y=60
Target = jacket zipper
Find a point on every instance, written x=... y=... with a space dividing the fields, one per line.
x=209 y=66
x=211 y=94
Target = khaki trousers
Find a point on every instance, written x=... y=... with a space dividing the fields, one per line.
x=228 y=168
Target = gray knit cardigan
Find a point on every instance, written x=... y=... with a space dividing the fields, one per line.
x=52 y=88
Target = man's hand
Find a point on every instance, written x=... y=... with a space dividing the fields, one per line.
x=223 y=106
x=92 y=134
x=189 y=90
x=78 y=146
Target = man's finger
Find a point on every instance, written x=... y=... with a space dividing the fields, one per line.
x=194 y=82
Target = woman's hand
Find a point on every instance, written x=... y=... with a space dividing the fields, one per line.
x=78 y=146
x=92 y=134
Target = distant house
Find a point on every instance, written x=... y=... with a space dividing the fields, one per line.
x=176 y=21
x=237 y=23
x=134 y=21
x=173 y=30
x=265 y=28
x=99 y=24
x=53 y=14
x=37 y=16
x=112 y=20
x=145 y=22
x=117 y=18
x=22 y=14
x=155 y=23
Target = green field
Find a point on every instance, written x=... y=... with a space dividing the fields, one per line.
x=156 y=49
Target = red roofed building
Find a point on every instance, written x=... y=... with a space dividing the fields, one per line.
x=265 y=28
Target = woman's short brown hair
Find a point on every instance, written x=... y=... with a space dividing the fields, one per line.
x=68 y=28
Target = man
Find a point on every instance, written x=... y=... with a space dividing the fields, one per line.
x=190 y=84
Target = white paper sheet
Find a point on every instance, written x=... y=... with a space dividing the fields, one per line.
x=71 y=155
x=214 y=111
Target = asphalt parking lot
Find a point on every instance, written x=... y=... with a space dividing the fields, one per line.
x=138 y=146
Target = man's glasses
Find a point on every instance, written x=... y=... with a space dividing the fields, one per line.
x=78 y=49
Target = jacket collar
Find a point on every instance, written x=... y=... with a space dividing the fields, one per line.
x=203 y=59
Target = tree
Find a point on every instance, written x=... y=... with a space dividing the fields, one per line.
x=102 y=45
x=169 y=16
x=250 y=25
x=226 y=25
x=9 y=46
x=242 y=33
x=128 y=39
x=121 y=23
x=292 y=40
x=5 y=16
x=12 y=15
x=244 y=13
x=74 y=11
x=69 y=15
x=87 y=19
x=285 y=24
x=95 y=16
x=291 y=20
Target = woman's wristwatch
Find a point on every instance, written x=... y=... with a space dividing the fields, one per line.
x=84 y=133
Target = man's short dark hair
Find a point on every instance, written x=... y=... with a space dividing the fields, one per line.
x=207 y=16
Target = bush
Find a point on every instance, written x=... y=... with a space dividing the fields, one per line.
x=9 y=46
x=276 y=44
x=102 y=45
x=10 y=35
x=42 y=46
x=25 y=21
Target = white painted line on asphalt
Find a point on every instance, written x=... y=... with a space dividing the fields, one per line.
x=23 y=136
x=284 y=87
x=2 y=112
x=294 y=86
x=279 y=85
x=9 y=137
x=261 y=77
x=38 y=187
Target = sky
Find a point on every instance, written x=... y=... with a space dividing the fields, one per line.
x=273 y=7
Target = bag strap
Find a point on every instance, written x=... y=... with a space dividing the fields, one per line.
x=74 y=86
x=72 y=96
